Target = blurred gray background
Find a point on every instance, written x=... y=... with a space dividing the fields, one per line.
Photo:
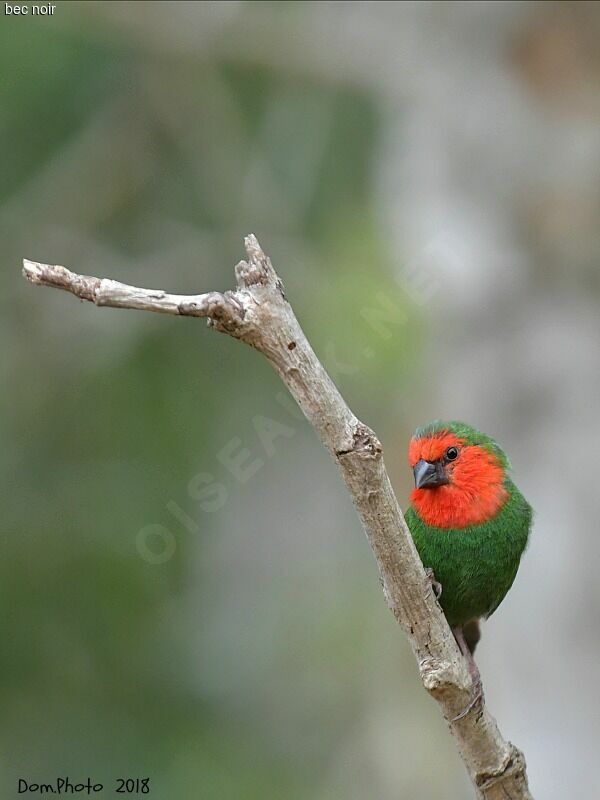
x=426 y=179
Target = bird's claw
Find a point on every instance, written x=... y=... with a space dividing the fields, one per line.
x=476 y=699
x=435 y=585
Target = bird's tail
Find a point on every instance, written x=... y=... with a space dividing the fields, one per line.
x=472 y=634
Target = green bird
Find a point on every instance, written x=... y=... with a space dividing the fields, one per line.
x=470 y=525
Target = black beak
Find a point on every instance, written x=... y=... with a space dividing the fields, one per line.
x=428 y=474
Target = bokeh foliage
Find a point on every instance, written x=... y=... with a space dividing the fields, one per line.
x=150 y=167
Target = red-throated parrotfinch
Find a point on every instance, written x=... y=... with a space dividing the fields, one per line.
x=469 y=523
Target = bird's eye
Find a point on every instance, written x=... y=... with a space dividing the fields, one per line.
x=451 y=453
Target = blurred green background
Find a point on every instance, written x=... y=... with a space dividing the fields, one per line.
x=425 y=177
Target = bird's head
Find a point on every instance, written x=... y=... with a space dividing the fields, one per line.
x=459 y=475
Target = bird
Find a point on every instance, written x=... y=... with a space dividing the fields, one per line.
x=470 y=525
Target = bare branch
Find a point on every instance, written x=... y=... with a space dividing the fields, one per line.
x=258 y=313
x=106 y=292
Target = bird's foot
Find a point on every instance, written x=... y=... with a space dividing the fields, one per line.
x=435 y=585
x=477 y=698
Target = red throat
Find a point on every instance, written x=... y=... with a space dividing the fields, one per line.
x=475 y=492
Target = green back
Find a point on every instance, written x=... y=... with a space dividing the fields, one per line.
x=475 y=565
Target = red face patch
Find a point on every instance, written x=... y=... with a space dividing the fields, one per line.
x=431 y=448
x=475 y=492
